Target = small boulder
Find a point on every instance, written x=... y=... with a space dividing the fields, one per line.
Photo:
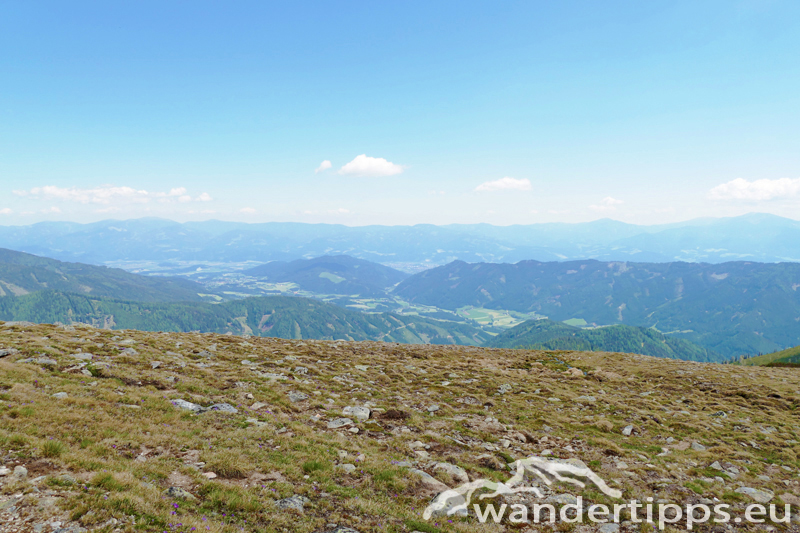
x=295 y=502
x=180 y=494
x=339 y=423
x=361 y=413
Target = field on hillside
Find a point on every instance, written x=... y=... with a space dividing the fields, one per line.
x=130 y=431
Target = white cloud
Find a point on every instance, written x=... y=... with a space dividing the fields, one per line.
x=758 y=190
x=105 y=194
x=370 y=167
x=325 y=165
x=5 y=211
x=340 y=211
x=505 y=184
x=184 y=199
x=247 y=210
x=205 y=197
x=606 y=204
x=53 y=209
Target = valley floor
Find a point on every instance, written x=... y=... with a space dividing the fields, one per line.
x=134 y=431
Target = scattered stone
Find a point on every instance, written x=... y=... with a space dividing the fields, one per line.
x=433 y=408
x=222 y=407
x=504 y=388
x=20 y=472
x=761 y=496
x=585 y=399
x=296 y=397
x=362 y=368
x=183 y=404
x=179 y=493
x=209 y=475
x=347 y=467
x=339 y=423
x=60 y=395
x=258 y=405
x=696 y=446
x=574 y=373
x=627 y=431
x=4 y=471
x=4 y=352
x=361 y=413
x=295 y=502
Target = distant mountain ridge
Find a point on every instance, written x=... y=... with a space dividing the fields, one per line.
x=730 y=308
x=340 y=274
x=754 y=237
x=22 y=273
x=549 y=335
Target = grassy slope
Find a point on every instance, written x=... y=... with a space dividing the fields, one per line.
x=120 y=438
x=549 y=335
x=790 y=355
x=275 y=316
x=22 y=273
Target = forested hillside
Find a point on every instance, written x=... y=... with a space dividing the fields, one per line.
x=549 y=335
x=731 y=308
x=22 y=273
x=339 y=274
x=272 y=316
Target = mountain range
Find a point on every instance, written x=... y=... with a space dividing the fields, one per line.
x=730 y=308
x=22 y=273
x=754 y=237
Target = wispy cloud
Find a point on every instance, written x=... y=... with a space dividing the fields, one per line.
x=606 y=204
x=325 y=165
x=109 y=194
x=758 y=190
x=505 y=184
x=247 y=210
x=6 y=211
x=364 y=166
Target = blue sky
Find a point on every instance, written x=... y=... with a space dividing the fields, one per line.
x=427 y=112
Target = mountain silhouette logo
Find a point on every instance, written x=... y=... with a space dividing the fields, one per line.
x=455 y=502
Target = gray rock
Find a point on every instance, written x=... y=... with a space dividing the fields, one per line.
x=206 y=354
x=295 y=396
x=179 y=493
x=295 y=502
x=361 y=413
x=82 y=356
x=60 y=395
x=696 y=446
x=347 y=467
x=761 y=496
x=458 y=473
x=339 y=423
x=433 y=408
x=183 y=404
x=504 y=389
x=20 y=472
x=222 y=407
x=608 y=528
x=585 y=399
x=4 y=471
x=627 y=431
x=7 y=351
